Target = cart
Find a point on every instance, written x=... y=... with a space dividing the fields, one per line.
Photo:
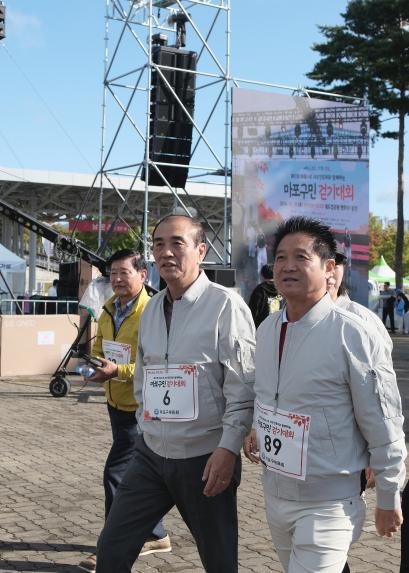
x=59 y=385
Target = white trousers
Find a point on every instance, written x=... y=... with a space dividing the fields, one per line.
x=399 y=323
x=406 y=322
x=314 y=537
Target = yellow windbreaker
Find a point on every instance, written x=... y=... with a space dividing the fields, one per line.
x=119 y=391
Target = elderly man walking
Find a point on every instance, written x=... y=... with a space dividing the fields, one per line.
x=327 y=406
x=194 y=386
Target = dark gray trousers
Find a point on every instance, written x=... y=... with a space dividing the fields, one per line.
x=124 y=435
x=152 y=485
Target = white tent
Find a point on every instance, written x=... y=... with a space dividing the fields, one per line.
x=13 y=269
x=382 y=272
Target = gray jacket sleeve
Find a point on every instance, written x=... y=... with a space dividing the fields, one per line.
x=138 y=378
x=236 y=354
x=378 y=412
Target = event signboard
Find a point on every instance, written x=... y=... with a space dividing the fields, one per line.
x=296 y=155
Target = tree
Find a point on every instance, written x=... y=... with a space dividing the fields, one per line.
x=368 y=57
x=382 y=242
x=375 y=241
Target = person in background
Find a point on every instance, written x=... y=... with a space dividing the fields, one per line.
x=261 y=250
x=264 y=299
x=388 y=305
x=115 y=345
x=406 y=317
x=339 y=294
x=404 y=539
x=251 y=241
x=401 y=307
x=53 y=290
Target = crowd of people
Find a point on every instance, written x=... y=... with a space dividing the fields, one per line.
x=312 y=396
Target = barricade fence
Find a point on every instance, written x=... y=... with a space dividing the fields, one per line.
x=38 y=305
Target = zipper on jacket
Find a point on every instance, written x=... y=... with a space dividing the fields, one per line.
x=167 y=353
x=277 y=393
x=163 y=431
x=279 y=363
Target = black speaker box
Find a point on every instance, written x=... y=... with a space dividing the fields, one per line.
x=69 y=280
x=170 y=128
x=222 y=276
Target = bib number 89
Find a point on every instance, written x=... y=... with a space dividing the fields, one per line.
x=276 y=443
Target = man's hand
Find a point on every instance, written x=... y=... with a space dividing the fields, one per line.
x=218 y=471
x=388 y=521
x=370 y=478
x=105 y=372
x=250 y=448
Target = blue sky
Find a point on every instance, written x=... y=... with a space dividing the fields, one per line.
x=52 y=66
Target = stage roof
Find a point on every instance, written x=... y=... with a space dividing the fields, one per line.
x=51 y=195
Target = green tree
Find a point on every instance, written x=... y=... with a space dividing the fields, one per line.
x=382 y=243
x=368 y=56
x=375 y=240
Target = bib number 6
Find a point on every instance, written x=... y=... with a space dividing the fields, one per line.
x=276 y=443
x=166 y=398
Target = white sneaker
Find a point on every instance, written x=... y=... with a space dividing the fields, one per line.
x=154 y=545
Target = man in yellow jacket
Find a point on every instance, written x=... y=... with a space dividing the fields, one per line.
x=115 y=345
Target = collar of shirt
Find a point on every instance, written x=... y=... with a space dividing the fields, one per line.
x=121 y=312
x=168 y=308
x=316 y=313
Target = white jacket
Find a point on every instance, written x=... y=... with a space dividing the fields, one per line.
x=368 y=315
x=211 y=327
x=334 y=368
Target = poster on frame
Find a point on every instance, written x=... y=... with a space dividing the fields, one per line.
x=295 y=155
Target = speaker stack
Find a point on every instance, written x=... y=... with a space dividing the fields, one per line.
x=170 y=129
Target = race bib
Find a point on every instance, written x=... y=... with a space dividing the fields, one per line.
x=117 y=352
x=170 y=394
x=282 y=440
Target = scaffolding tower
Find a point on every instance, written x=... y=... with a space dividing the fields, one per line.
x=130 y=27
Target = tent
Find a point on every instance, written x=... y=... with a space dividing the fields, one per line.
x=13 y=269
x=382 y=272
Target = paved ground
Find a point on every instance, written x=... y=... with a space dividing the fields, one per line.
x=51 y=500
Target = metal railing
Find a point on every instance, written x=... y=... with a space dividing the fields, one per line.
x=38 y=306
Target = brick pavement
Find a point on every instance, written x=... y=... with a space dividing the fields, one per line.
x=52 y=453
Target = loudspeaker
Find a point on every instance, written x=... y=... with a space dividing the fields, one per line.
x=69 y=280
x=170 y=129
x=221 y=276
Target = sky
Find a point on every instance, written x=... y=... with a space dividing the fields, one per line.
x=51 y=67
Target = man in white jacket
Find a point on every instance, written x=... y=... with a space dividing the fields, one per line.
x=194 y=386
x=327 y=406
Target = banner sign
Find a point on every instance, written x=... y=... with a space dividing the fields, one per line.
x=92 y=226
x=298 y=156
